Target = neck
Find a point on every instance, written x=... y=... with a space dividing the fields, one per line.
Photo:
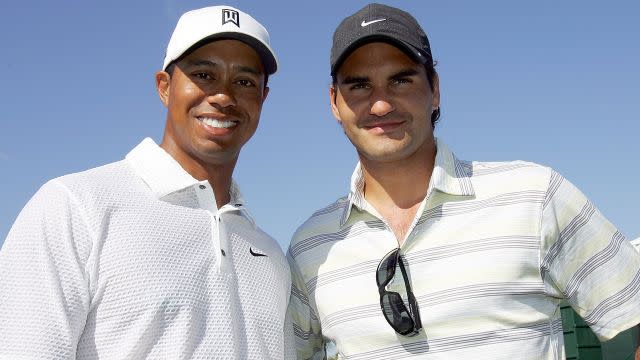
x=400 y=184
x=220 y=179
x=218 y=175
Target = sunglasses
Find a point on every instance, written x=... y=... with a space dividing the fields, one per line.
x=405 y=321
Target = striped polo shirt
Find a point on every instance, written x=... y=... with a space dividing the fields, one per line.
x=492 y=252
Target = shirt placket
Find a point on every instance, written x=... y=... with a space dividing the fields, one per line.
x=397 y=283
x=219 y=241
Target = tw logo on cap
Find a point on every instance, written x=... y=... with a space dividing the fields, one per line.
x=230 y=16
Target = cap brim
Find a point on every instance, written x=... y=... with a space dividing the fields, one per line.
x=408 y=49
x=266 y=55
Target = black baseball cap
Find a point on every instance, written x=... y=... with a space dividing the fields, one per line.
x=377 y=22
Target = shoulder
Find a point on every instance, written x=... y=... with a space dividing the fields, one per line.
x=514 y=175
x=511 y=168
x=99 y=179
x=111 y=183
x=69 y=207
x=96 y=191
x=323 y=221
x=326 y=219
x=74 y=185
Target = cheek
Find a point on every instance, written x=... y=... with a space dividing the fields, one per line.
x=418 y=104
x=187 y=96
x=251 y=103
x=349 y=111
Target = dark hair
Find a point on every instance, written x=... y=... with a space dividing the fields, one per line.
x=172 y=65
x=430 y=68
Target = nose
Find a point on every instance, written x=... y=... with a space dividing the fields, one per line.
x=381 y=108
x=221 y=97
x=381 y=104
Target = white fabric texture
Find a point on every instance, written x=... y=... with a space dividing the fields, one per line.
x=126 y=261
x=492 y=252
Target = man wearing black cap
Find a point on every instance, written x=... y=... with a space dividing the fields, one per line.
x=433 y=257
x=156 y=256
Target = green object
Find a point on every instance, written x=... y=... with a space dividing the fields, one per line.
x=621 y=347
x=582 y=344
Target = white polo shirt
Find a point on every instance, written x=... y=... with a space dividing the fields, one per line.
x=492 y=252
x=133 y=260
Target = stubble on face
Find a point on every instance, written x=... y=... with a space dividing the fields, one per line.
x=384 y=101
x=214 y=99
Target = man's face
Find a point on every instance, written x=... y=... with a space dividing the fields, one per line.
x=214 y=98
x=383 y=101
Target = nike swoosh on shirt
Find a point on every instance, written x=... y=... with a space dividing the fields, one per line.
x=255 y=253
x=367 y=23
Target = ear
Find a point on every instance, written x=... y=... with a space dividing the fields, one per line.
x=435 y=103
x=265 y=92
x=333 y=97
x=163 y=80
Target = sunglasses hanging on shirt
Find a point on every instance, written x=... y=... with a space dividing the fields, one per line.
x=405 y=321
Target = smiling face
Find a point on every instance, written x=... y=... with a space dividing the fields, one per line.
x=384 y=101
x=214 y=97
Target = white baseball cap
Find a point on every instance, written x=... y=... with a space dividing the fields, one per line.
x=220 y=22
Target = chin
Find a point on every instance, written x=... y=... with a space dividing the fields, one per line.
x=388 y=154
x=219 y=157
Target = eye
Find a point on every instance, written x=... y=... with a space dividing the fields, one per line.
x=402 y=81
x=359 y=85
x=246 y=83
x=202 y=76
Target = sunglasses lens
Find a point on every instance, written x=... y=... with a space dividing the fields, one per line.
x=387 y=268
x=396 y=313
x=393 y=307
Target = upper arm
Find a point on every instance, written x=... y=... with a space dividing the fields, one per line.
x=44 y=287
x=306 y=326
x=588 y=261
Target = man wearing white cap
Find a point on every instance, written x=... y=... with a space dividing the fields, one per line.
x=156 y=256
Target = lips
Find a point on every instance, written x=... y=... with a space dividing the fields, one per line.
x=216 y=126
x=216 y=123
x=383 y=126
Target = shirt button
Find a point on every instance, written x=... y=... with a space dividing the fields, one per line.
x=202 y=187
x=223 y=253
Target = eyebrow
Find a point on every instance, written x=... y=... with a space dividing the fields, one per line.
x=201 y=62
x=248 y=69
x=404 y=73
x=354 y=80
x=360 y=79
x=239 y=68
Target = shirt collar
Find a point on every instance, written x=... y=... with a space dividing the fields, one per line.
x=164 y=175
x=450 y=176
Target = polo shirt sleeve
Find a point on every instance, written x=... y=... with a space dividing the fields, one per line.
x=587 y=261
x=306 y=326
x=289 y=339
x=44 y=291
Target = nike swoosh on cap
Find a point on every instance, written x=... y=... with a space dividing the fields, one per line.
x=367 y=23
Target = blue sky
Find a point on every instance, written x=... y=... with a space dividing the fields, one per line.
x=554 y=82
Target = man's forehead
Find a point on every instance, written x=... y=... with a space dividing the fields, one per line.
x=366 y=70
x=213 y=52
x=225 y=43
x=373 y=56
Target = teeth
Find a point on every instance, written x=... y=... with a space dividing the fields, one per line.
x=217 y=123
